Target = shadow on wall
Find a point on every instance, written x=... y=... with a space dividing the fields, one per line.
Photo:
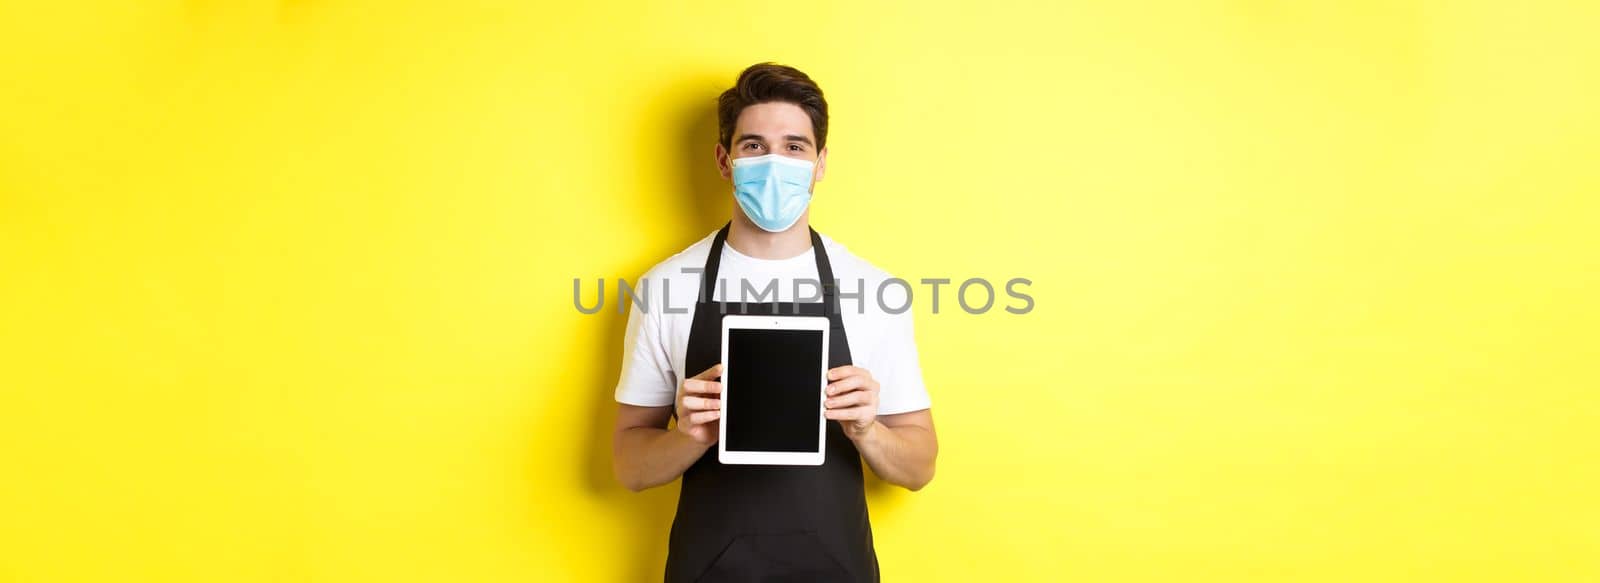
x=707 y=204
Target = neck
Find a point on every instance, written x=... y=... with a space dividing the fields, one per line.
x=745 y=237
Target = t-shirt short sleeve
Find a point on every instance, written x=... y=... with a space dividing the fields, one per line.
x=647 y=377
x=897 y=370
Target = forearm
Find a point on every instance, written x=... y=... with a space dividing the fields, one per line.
x=902 y=455
x=646 y=457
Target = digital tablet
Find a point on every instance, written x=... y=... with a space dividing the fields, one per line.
x=774 y=369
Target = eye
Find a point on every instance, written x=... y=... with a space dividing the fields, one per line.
x=752 y=146
x=796 y=148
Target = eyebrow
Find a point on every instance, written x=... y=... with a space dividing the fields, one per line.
x=789 y=138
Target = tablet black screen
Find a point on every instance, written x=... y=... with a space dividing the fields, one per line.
x=774 y=379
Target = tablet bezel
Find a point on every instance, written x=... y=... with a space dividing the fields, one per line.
x=777 y=458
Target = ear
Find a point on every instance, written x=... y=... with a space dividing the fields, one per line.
x=723 y=166
x=822 y=166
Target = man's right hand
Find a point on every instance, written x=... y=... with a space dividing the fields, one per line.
x=700 y=405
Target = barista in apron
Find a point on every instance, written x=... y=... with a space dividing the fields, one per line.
x=771 y=523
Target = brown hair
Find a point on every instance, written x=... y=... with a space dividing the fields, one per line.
x=768 y=82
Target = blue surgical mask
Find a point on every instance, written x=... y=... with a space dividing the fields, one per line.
x=773 y=190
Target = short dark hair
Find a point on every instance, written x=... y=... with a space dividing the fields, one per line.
x=769 y=82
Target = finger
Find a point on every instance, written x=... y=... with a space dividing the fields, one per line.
x=851 y=399
x=699 y=417
x=711 y=373
x=847 y=385
x=851 y=414
x=837 y=373
x=702 y=387
x=701 y=403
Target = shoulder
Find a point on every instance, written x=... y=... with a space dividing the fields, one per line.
x=691 y=258
x=673 y=283
x=881 y=293
x=848 y=265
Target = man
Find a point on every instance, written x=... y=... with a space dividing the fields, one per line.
x=770 y=523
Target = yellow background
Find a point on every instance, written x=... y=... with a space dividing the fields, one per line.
x=286 y=287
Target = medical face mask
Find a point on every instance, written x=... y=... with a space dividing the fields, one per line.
x=773 y=190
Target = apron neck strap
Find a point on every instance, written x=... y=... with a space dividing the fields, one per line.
x=708 y=277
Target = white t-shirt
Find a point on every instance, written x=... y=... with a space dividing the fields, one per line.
x=658 y=337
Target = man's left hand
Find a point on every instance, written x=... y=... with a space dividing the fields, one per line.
x=852 y=400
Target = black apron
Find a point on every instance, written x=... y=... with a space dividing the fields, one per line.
x=752 y=523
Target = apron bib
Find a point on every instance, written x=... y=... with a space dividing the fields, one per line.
x=771 y=523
